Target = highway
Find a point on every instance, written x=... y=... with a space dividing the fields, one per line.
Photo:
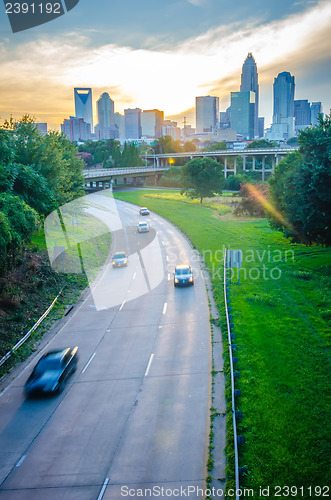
x=135 y=414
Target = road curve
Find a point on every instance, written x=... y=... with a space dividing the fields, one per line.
x=134 y=415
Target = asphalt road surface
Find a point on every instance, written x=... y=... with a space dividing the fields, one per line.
x=134 y=415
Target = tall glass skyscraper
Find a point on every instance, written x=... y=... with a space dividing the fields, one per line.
x=249 y=83
x=283 y=96
x=83 y=105
x=243 y=113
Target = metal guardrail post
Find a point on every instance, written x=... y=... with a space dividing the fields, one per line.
x=232 y=383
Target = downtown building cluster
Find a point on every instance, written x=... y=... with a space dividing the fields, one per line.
x=240 y=122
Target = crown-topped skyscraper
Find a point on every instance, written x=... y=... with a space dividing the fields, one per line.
x=249 y=83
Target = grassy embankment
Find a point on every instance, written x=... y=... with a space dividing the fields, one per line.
x=281 y=311
x=31 y=286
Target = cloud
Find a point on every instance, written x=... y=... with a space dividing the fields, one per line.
x=39 y=77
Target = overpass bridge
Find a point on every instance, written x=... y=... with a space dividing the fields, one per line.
x=256 y=160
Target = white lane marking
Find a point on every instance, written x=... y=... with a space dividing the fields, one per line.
x=163 y=242
x=134 y=276
x=104 y=486
x=149 y=365
x=89 y=361
x=122 y=305
x=168 y=276
x=167 y=258
x=165 y=307
x=21 y=460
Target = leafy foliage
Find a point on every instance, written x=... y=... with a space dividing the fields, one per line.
x=253 y=199
x=261 y=144
x=201 y=178
x=301 y=185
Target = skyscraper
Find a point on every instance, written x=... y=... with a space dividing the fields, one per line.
x=132 y=123
x=283 y=96
x=315 y=110
x=105 y=109
x=106 y=124
x=207 y=113
x=151 y=123
x=242 y=113
x=249 y=83
x=83 y=105
x=301 y=113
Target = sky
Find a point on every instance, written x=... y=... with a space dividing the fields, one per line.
x=162 y=54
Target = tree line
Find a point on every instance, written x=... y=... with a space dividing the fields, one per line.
x=38 y=173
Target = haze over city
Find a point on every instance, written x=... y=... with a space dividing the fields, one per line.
x=163 y=56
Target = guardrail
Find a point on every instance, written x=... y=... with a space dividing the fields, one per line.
x=120 y=171
x=234 y=393
x=28 y=334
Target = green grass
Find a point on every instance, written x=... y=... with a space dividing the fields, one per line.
x=282 y=335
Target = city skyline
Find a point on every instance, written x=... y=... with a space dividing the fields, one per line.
x=146 y=70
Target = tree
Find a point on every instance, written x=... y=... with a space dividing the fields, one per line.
x=300 y=188
x=254 y=199
x=216 y=146
x=261 y=144
x=22 y=220
x=166 y=144
x=189 y=146
x=201 y=178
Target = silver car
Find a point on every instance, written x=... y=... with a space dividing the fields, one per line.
x=142 y=227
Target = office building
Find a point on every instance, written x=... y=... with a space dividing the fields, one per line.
x=151 y=123
x=301 y=114
x=207 y=113
x=260 y=124
x=42 y=127
x=170 y=128
x=132 y=123
x=249 y=83
x=315 y=110
x=284 y=87
x=83 y=105
x=76 y=129
x=106 y=125
x=119 y=124
x=283 y=122
x=242 y=113
x=105 y=110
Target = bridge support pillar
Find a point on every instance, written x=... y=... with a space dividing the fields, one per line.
x=225 y=167
x=244 y=163
x=235 y=165
x=124 y=180
x=263 y=168
x=254 y=164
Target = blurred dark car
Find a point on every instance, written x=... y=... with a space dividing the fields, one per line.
x=183 y=275
x=52 y=372
x=120 y=259
x=143 y=211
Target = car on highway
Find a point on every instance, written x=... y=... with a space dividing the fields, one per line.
x=183 y=275
x=52 y=372
x=142 y=227
x=143 y=211
x=120 y=259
